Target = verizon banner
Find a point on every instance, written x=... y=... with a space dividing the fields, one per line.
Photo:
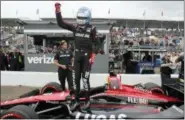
x=44 y=63
x=41 y=59
x=40 y=63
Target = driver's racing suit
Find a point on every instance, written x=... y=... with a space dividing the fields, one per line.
x=84 y=36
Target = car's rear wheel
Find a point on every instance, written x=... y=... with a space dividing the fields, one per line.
x=154 y=88
x=20 y=112
x=31 y=93
x=51 y=87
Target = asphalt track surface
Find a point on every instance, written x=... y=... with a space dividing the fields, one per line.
x=12 y=92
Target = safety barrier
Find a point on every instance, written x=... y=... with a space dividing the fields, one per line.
x=38 y=79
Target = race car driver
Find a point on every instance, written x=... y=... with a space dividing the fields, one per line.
x=84 y=36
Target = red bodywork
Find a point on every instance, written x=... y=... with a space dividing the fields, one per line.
x=130 y=91
x=125 y=91
x=133 y=92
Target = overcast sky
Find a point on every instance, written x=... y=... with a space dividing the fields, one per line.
x=172 y=10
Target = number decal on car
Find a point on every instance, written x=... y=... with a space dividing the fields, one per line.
x=137 y=100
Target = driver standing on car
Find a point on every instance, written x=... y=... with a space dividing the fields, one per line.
x=63 y=60
x=84 y=37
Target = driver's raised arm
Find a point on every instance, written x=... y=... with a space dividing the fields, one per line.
x=61 y=23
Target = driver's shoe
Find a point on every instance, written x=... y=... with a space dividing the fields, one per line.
x=75 y=106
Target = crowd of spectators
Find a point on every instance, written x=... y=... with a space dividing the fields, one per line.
x=133 y=37
x=123 y=38
x=11 y=60
x=52 y=49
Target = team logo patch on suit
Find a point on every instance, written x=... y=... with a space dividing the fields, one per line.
x=61 y=52
x=88 y=30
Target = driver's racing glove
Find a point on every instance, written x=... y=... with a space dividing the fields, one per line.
x=57 y=7
x=92 y=58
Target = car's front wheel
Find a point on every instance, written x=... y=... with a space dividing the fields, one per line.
x=19 y=112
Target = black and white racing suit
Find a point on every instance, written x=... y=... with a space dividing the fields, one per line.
x=84 y=36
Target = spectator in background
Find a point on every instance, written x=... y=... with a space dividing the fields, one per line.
x=166 y=59
x=161 y=43
x=126 y=42
x=128 y=56
x=99 y=52
x=181 y=59
x=157 y=60
x=147 y=57
x=14 y=61
x=147 y=42
x=3 y=61
x=166 y=42
x=131 y=42
x=54 y=49
x=20 y=61
x=70 y=47
x=141 y=42
x=173 y=57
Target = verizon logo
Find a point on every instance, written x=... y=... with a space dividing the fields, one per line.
x=40 y=60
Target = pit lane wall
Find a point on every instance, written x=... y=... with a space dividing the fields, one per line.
x=39 y=79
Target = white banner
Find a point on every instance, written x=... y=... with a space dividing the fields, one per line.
x=39 y=79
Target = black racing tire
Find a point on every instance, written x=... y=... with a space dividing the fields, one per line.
x=27 y=109
x=19 y=112
x=51 y=87
x=154 y=88
x=31 y=93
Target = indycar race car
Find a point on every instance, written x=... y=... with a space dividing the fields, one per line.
x=111 y=101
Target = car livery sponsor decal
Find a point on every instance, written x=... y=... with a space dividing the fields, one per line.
x=53 y=102
x=146 y=65
x=100 y=117
x=143 y=90
x=40 y=60
x=137 y=100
